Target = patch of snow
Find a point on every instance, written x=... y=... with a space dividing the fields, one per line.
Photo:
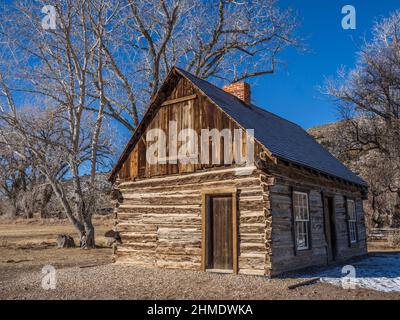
x=377 y=271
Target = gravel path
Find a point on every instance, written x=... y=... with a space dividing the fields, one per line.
x=128 y=282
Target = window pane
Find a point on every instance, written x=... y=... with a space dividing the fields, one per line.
x=300 y=206
x=301 y=241
x=353 y=231
x=302 y=235
x=351 y=210
x=297 y=213
x=301 y=213
x=306 y=240
x=300 y=227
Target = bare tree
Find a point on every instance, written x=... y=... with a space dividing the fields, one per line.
x=140 y=40
x=369 y=101
x=59 y=68
x=226 y=40
x=104 y=59
x=10 y=180
x=41 y=138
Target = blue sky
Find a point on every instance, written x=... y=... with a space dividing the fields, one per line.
x=292 y=92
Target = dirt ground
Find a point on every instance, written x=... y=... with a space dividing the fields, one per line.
x=27 y=246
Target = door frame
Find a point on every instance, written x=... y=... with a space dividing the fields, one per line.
x=212 y=192
x=330 y=221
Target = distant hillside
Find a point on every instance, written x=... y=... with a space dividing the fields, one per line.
x=321 y=133
x=381 y=208
x=332 y=137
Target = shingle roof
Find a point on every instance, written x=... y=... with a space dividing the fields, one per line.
x=286 y=140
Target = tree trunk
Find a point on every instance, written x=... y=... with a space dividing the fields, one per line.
x=43 y=212
x=79 y=225
x=28 y=214
x=89 y=240
x=396 y=212
x=82 y=224
x=14 y=207
x=46 y=197
x=14 y=211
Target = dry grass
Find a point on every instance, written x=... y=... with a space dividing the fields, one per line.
x=27 y=245
x=22 y=233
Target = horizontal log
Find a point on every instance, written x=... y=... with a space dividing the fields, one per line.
x=181 y=250
x=131 y=211
x=147 y=246
x=136 y=227
x=212 y=174
x=252 y=217
x=183 y=200
x=177 y=201
x=179 y=265
x=251 y=272
x=240 y=184
x=161 y=257
x=251 y=237
x=252 y=261
x=124 y=206
x=252 y=248
x=138 y=237
x=172 y=218
x=258 y=228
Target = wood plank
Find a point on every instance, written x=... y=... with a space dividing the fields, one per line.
x=234 y=233
x=222 y=232
x=203 y=231
x=178 y=100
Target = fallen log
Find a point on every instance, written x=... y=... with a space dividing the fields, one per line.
x=18 y=261
x=303 y=283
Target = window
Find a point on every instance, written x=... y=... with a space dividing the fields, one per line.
x=301 y=219
x=352 y=220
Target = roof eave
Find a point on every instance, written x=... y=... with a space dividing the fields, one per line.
x=363 y=185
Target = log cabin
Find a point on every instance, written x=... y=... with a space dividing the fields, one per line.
x=288 y=206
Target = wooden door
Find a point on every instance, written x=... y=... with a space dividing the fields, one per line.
x=330 y=231
x=220 y=233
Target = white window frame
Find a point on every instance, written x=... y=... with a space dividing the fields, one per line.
x=303 y=220
x=352 y=220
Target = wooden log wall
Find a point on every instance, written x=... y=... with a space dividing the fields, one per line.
x=160 y=214
x=160 y=220
x=267 y=181
x=284 y=256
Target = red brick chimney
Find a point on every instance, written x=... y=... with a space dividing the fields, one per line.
x=240 y=90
